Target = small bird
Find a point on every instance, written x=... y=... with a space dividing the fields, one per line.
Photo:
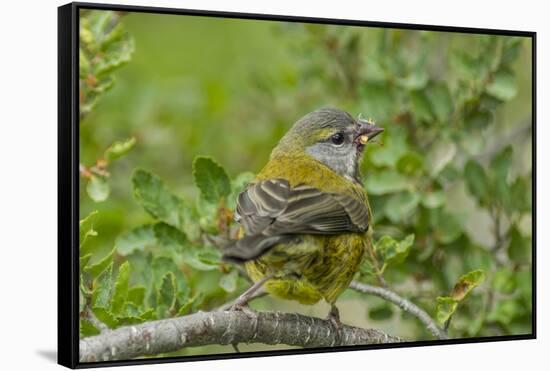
x=305 y=216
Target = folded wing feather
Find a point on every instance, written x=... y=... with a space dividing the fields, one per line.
x=272 y=212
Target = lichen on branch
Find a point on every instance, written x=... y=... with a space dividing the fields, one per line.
x=223 y=328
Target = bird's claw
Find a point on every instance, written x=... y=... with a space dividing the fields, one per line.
x=334 y=319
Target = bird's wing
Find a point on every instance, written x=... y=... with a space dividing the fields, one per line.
x=271 y=212
x=272 y=207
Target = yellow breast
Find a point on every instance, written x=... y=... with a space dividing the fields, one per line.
x=315 y=268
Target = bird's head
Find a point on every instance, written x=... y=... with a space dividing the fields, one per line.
x=332 y=137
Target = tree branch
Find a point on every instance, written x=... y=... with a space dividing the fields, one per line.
x=402 y=303
x=227 y=327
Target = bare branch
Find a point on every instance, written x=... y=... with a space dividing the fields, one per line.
x=258 y=294
x=402 y=303
x=227 y=327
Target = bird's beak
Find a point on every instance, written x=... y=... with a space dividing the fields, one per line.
x=366 y=131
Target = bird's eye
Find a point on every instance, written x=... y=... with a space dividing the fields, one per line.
x=337 y=138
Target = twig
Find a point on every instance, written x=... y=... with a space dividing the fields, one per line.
x=257 y=294
x=402 y=303
x=228 y=327
x=90 y=316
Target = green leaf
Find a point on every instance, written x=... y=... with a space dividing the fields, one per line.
x=387 y=181
x=104 y=47
x=448 y=228
x=98 y=188
x=86 y=227
x=367 y=268
x=381 y=312
x=449 y=174
x=121 y=288
x=208 y=214
x=446 y=307
x=203 y=260
x=160 y=267
x=440 y=101
x=167 y=291
x=500 y=164
x=467 y=283
x=116 y=34
x=504 y=281
x=170 y=238
x=133 y=315
x=191 y=228
x=489 y=103
x=137 y=239
x=416 y=80
x=84 y=64
x=519 y=249
x=392 y=251
x=119 y=149
x=84 y=261
x=211 y=179
x=477 y=120
x=147 y=315
x=477 y=181
x=82 y=301
x=131 y=310
x=87 y=329
x=130 y=320
x=412 y=163
x=466 y=65
x=433 y=200
x=96 y=269
x=228 y=282
x=378 y=99
x=420 y=106
x=505 y=311
x=103 y=288
x=524 y=282
x=151 y=194
x=439 y=155
x=395 y=146
x=503 y=85
x=136 y=295
x=185 y=308
x=519 y=199
x=105 y=316
x=401 y=206
x=477 y=257
x=512 y=48
x=471 y=144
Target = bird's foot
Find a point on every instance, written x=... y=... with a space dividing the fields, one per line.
x=241 y=304
x=334 y=318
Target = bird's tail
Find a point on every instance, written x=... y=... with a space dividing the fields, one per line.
x=251 y=247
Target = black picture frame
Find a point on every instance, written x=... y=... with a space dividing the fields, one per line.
x=68 y=180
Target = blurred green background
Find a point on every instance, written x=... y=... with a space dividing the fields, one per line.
x=453 y=166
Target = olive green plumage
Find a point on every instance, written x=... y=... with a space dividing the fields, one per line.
x=305 y=216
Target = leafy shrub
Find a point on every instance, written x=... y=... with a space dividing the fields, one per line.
x=449 y=183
